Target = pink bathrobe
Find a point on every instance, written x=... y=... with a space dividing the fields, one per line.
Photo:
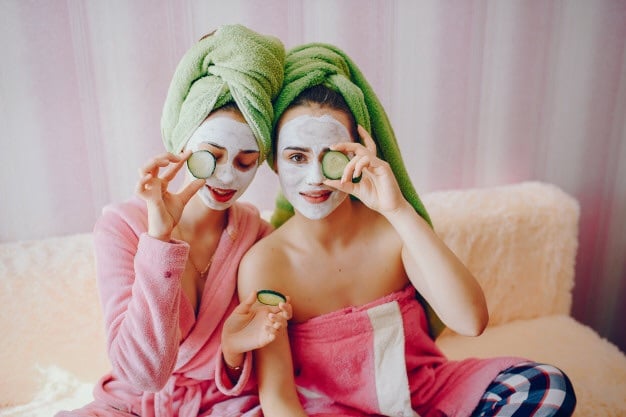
x=165 y=361
x=378 y=359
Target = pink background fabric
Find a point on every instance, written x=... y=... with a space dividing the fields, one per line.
x=480 y=93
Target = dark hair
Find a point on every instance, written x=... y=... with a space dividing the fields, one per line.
x=230 y=106
x=324 y=96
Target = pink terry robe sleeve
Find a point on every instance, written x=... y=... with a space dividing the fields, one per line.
x=139 y=284
x=223 y=381
x=163 y=353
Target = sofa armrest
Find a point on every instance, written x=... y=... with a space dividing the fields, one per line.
x=520 y=242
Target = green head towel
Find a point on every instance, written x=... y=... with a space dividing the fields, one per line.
x=232 y=64
x=317 y=63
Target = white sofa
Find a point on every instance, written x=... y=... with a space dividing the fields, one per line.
x=520 y=240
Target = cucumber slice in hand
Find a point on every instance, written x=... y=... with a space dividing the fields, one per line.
x=270 y=298
x=201 y=164
x=333 y=165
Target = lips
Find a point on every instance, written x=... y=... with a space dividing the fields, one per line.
x=316 y=197
x=221 y=195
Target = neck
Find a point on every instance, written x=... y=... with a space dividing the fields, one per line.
x=333 y=229
x=199 y=220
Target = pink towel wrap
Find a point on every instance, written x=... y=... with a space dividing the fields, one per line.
x=378 y=359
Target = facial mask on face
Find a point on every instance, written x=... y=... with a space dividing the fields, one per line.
x=301 y=182
x=228 y=182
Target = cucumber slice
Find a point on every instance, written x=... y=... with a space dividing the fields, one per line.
x=270 y=298
x=201 y=164
x=333 y=164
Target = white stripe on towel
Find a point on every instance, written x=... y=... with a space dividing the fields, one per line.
x=307 y=393
x=392 y=383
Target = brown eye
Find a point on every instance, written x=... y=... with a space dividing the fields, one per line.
x=297 y=158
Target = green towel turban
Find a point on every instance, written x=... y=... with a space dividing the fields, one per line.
x=316 y=63
x=232 y=64
x=322 y=64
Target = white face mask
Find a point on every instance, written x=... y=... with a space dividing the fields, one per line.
x=235 y=147
x=302 y=142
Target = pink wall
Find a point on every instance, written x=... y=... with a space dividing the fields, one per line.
x=480 y=93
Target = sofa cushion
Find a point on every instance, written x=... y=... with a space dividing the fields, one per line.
x=51 y=314
x=595 y=366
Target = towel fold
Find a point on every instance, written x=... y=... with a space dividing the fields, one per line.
x=232 y=64
x=323 y=64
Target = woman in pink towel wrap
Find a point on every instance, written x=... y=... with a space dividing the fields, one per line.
x=177 y=338
x=362 y=265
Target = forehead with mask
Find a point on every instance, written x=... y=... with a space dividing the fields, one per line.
x=229 y=138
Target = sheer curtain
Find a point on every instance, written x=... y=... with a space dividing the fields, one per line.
x=481 y=93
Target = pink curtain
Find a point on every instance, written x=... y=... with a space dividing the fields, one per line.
x=481 y=93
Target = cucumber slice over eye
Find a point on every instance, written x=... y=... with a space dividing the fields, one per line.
x=333 y=165
x=270 y=298
x=201 y=164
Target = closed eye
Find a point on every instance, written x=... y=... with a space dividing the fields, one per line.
x=246 y=160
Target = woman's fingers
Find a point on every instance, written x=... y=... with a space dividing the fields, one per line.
x=368 y=141
x=369 y=146
x=149 y=174
x=279 y=319
x=349 y=147
x=160 y=161
x=245 y=306
x=361 y=163
x=143 y=183
x=190 y=189
x=173 y=170
x=354 y=168
x=286 y=309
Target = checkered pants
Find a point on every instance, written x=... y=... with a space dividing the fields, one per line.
x=528 y=389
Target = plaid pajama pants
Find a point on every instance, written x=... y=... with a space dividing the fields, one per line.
x=528 y=389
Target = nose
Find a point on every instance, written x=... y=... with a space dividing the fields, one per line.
x=224 y=172
x=314 y=174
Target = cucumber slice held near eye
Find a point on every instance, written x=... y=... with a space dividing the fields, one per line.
x=201 y=164
x=333 y=165
x=270 y=298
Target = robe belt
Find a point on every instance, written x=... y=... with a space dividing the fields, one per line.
x=191 y=398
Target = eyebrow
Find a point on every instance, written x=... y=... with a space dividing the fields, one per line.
x=223 y=147
x=215 y=144
x=296 y=148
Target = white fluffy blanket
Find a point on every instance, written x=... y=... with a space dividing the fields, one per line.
x=519 y=240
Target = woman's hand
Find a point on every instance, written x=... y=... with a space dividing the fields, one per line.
x=252 y=326
x=164 y=208
x=378 y=188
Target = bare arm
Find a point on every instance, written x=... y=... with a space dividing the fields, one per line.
x=434 y=270
x=273 y=362
x=277 y=388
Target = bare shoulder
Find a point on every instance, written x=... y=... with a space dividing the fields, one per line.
x=259 y=268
